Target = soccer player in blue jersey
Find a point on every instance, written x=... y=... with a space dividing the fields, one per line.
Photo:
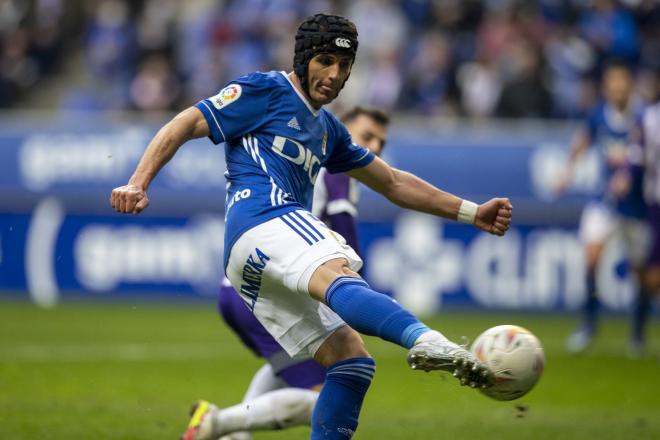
x=297 y=276
x=609 y=129
x=283 y=392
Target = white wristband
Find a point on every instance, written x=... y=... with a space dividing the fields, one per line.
x=467 y=212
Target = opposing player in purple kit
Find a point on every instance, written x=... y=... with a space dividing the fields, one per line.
x=297 y=276
x=650 y=168
x=609 y=130
x=283 y=392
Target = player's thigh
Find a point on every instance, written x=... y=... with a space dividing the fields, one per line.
x=593 y=251
x=638 y=238
x=597 y=225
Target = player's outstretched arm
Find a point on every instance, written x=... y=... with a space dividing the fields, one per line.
x=132 y=198
x=411 y=192
x=579 y=147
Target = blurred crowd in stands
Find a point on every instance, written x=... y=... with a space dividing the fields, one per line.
x=505 y=58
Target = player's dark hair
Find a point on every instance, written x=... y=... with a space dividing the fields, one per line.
x=379 y=116
x=617 y=63
x=322 y=33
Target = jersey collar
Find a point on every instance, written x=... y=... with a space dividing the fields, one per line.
x=300 y=95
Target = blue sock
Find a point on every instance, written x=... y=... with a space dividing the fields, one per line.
x=373 y=313
x=591 y=304
x=641 y=312
x=337 y=409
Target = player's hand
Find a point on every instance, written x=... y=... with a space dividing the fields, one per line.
x=620 y=184
x=494 y=216
x=562 y=183
x=129 y=199
x=616 y=155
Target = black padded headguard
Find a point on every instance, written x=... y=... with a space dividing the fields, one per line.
x=322 y=33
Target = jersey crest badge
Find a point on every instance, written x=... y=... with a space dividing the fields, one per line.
x=226 y=96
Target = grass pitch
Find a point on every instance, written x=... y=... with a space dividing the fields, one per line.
x=130 y=371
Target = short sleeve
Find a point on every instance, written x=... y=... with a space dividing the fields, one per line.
x=347 y=155
x=237 y=109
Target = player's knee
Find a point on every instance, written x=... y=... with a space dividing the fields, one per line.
x=345 y=343
x=326 y=274
x=651 y=279
x=593 y=253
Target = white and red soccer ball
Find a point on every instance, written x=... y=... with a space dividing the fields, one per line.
x=514 y=355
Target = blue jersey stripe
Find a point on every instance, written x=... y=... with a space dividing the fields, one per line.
x=301 y=227
x=309 y=242
x=272 y=191
x=304 y=220
x=312 y=218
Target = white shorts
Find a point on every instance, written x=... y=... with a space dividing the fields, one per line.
x=270 y=266
x=598 y=224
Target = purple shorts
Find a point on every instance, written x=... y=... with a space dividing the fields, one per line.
x=653 y=216
x=296 y=373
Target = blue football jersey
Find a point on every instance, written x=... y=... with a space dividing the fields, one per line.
x=275 y=145
x=608 y=129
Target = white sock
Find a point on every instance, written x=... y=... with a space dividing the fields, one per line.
x=263 y=381
x=237 y=436
x=274 y=410
x=431 y=335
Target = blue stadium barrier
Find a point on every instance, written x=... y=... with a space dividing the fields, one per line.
x=60 y=239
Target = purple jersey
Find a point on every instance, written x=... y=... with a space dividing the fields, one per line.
x=651 y=145
x=335 y=202
x=653 y=215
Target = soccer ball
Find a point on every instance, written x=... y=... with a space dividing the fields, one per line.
x=514 y=355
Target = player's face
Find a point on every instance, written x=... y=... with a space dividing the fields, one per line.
x=327 y=72
x=617 y=84
x=367 y=132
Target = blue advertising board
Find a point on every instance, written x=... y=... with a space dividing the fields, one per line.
x=59 y=238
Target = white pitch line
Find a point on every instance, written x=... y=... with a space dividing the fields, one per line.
x=119 y=352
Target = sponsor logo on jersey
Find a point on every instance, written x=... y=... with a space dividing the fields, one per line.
x=253 y=271
x=293 y=123
x=238 y=196
x=229 y=94
x=343 y=43
x=299 y=154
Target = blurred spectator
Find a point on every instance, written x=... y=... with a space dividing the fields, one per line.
x=525 y=94
x=110 y=43
x=477 y=58
x=426 y=80
x=611 y=30
x=570 y=58
x=155 y=87
x=30 y=42
x=480 y=88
